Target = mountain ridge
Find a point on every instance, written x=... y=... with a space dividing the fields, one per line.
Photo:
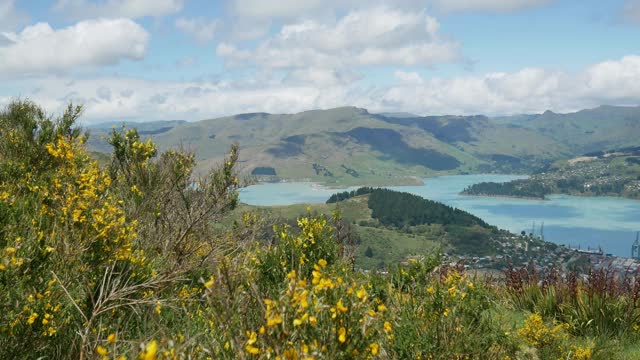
x=356 y=146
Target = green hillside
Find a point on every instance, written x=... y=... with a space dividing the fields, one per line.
x=390 y=227
x=605 y=127
x=348 y=145
x=612 y=173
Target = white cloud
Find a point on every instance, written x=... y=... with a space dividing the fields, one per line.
x=614 y=82
x=201 y=29
x=530 y=90
x=375 y=36
x=291 y=9
x=41 y=49
x=614 y=79
x=320 y=77
x=487 y=5
x=282 y=8
x=10 y=17
x=85 y=9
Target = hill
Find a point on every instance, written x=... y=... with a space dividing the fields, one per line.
x=348 y=145
x=390 y=227
x=612 y=173
x=605 y=127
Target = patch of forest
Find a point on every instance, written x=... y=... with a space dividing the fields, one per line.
x=337 y=197
x=524 y=188
x=393 y=208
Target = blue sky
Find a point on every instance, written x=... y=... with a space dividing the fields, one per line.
x=196 y=59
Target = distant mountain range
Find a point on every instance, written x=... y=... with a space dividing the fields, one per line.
x=349 y=145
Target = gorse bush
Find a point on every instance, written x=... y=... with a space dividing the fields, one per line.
x=86 y=251
x=141 y=259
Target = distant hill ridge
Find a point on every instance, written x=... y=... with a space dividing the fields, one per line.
x=350 y=145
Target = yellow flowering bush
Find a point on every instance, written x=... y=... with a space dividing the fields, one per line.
x=330 y=314
x=552 y=341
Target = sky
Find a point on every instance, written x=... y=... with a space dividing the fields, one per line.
x=144 y=60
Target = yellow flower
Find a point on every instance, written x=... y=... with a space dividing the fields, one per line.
x=32 y=318
x=253 y=337
x=101 y=351
x=361 y=293
x=313 y=320
x=382 y=308
x=322 y=262
x=342 y=335
x=430 y=290
x=250 y=347
x=150 y=351
x=291 y=275
x=252 y=350
x=387 y=326
x=274 y=320
x=374 y=349
x=209 y=283
x=111 y=338
x=341 y=307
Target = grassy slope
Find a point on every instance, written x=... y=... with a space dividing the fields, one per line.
x=602 y=128
x=388 y=246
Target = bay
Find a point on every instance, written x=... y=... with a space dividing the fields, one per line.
x=607 y=222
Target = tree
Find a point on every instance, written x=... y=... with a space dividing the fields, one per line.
x=369 y=252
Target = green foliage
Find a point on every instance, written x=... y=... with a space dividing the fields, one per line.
x=349 y=194
x=392 y=208
x=517 y=188
x=599 y=305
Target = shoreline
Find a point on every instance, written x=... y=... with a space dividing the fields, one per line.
x=546 y=197
x=507 y=196
x=411 y=181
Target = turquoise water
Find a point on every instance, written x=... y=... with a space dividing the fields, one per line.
x=577 y=221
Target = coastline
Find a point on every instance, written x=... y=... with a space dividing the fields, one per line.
x=403 y=181
x=545 y=198
x=507 y=196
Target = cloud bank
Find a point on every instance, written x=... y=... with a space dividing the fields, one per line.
x=41 y=49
